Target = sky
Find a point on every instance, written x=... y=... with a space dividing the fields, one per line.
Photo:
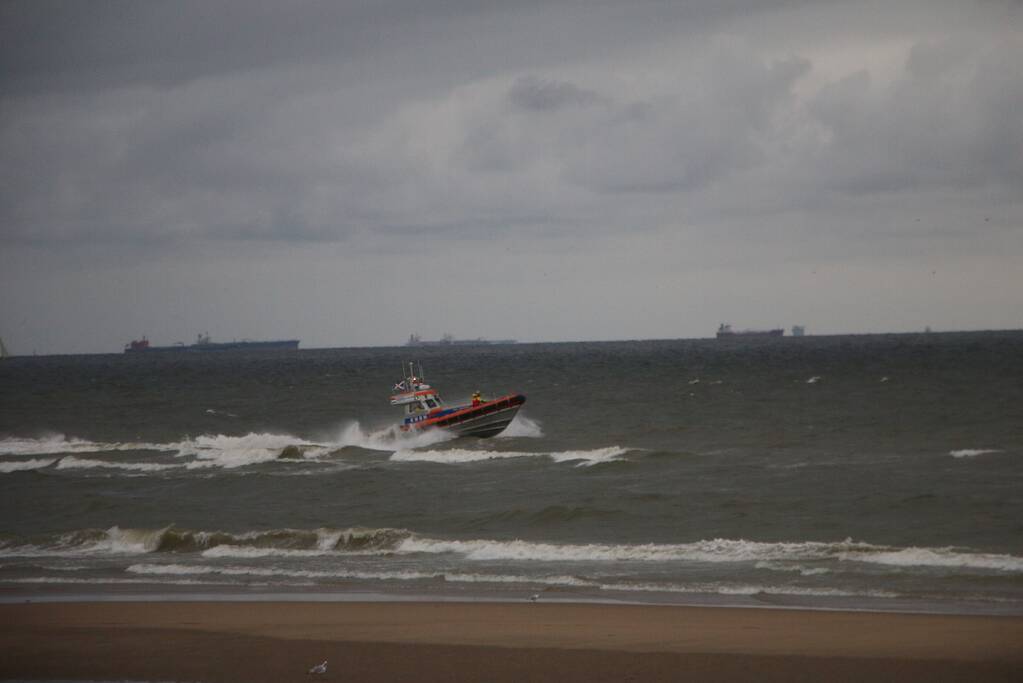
x=348 y=173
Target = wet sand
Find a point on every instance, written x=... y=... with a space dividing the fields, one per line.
x=261 y=641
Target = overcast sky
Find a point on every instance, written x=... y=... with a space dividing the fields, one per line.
x=348 y=173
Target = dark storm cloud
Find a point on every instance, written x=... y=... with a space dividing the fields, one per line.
x=80 y=46
x=319 y=121
x=187 y=163
x=54 y=44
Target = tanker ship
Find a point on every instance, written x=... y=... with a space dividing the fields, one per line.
x=203 y=343
x=725 y=331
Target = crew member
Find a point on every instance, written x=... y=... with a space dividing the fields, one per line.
x=476 y=399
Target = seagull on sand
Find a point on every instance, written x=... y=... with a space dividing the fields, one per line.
x=534 y=597
x=319 y=668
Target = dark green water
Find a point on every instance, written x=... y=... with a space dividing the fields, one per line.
x=872 y=469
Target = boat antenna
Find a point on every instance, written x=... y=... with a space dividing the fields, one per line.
x=421 y=375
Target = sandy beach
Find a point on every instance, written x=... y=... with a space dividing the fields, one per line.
x=260 y=641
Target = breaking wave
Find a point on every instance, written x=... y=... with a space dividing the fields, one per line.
x=116 y=540
x=202 y=452
x=802 y=570
x=70 y=462
x=717 y=550
x=222 y=451
x=384 y=541
x=939 y=557
x=230 y=452
x=109 y=581
x=552 y=581
x=23 y=465
x=58 y=444
x=456 y=456
x=972 y=452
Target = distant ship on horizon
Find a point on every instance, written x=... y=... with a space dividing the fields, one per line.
x=448 y=340
x=203 y=343
x=725 y=331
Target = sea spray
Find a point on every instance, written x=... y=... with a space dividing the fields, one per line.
x=522 y=427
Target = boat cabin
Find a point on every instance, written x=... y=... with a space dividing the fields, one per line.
x=420 y=399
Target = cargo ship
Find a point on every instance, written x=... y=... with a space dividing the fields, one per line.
x=448 y=340
x=725 y=331
x=203 y=343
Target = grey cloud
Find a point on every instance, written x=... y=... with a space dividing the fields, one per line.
x=682 y=141
x=50 y=45
x=530 y=92
x=950 y=120
x=707 y=131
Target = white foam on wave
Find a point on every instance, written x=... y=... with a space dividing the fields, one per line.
x=206 y=451
x=102 y=581
x=56 y=444
x=938 y=557
x=522 y=427
x=70 y=462
x=807 y=558
x=113 y=541
x=802 y=570
x=717 y=550
x=224 y=451
x=263 y=543
x=564 y=581
x=387 y=439
x=128 y=541
x=744 y=589
x=592 y=457
x=23 y=465
x=230 y=452
x=241 y=551
x=972 y=452
x=456 y=456
x=714 y=551
x=186 y=570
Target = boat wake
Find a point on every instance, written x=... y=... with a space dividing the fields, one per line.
x=387 y=439
x=457 y=456
x=224 y=451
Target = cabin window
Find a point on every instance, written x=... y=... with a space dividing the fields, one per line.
x=430 y=403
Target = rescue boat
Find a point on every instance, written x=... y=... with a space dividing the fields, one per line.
x=424 y=409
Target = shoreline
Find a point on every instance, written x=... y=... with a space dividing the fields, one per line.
x=13 y=594
x=250 y=640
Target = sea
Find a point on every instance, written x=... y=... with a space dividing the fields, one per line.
x=875 y=472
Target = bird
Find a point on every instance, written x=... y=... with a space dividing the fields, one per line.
x=534 y=597
x=319 y=668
